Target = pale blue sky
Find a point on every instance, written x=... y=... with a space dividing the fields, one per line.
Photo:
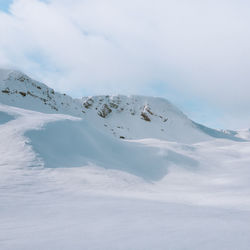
x=4 y=4
x=194 y=53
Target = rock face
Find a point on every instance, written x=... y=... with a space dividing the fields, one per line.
x=104 y=111
x=145 y=117
x=18 y=89
x=130 y=117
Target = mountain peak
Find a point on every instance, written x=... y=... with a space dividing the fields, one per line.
x=125 y=117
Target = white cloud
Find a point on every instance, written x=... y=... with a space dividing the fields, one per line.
x=199 y=48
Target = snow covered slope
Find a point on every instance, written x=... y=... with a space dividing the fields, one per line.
x=125 y=117
x=69 y=180
x=65 y=184
x=17 y=89
x=243 y=134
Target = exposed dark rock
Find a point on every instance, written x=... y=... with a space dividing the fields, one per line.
x=104 y=111
x=149 y=111
x=6 y=91
x=22 y=78
x=22 y=93
x=145 y=117
x=88 y=103
x=113 y=105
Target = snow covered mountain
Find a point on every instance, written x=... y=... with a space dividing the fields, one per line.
x=116 y=172
x=125 y=117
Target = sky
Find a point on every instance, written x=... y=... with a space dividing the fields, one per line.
x=194 y=53
x=4 y=5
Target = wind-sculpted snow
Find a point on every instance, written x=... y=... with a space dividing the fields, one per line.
x=77 y=143
x=71 y=182
x=200 y=202
x=5 y=117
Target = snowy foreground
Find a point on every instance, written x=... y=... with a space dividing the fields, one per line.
x=100 y=192
x=116 y=172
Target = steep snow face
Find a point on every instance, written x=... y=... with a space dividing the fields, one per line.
x=138 y=117
x=77 y=143
x=125 y=117
x=17 y=89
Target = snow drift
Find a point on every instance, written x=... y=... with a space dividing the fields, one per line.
x=116 y=172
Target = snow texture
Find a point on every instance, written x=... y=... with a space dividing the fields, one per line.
x=67 y=181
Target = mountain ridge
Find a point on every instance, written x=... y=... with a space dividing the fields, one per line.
x=125 y=117
x=65 y=176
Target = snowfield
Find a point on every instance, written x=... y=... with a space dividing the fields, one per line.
x=68 y=181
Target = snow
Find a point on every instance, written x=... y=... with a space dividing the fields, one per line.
x=77 y=143
x=129 y=117
x=5 y=117
x=201 y=201
x=67 y=182
x=243 y=134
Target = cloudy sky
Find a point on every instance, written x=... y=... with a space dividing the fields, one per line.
x=196 y=53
